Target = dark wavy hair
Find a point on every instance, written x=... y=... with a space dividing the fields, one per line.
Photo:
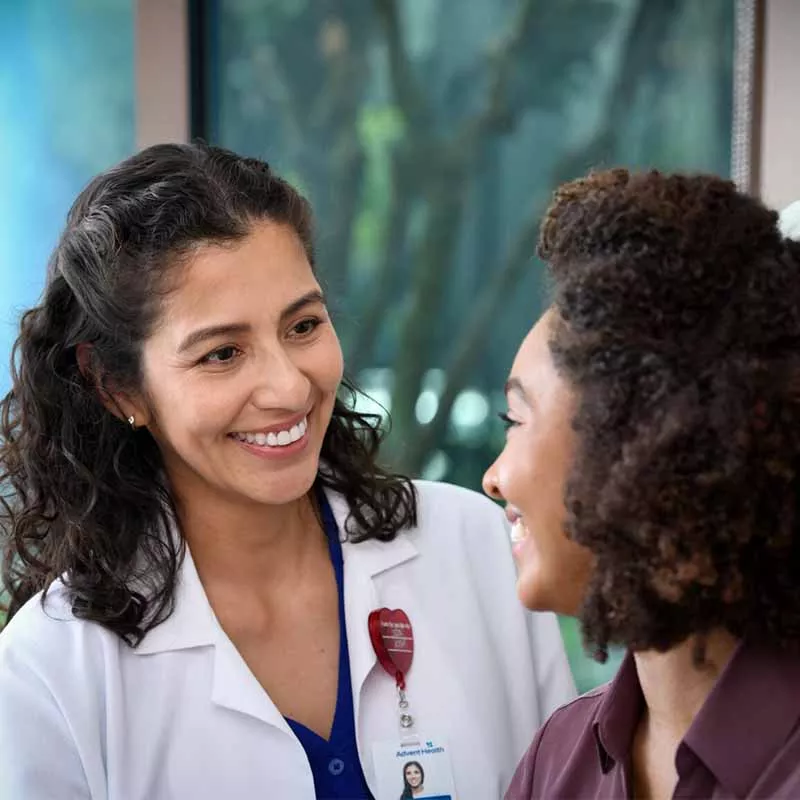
x=408 y=792
x=678 y=324
x=83 y=498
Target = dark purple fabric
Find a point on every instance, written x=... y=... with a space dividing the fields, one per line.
x=744 y=743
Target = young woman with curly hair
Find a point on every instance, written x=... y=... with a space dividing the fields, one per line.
x=197 y=529
x=652 y=470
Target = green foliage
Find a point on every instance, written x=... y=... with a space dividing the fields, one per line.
x=380 y=128
x=430 y=136
x=587 y=672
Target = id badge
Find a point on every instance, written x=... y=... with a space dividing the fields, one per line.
x=412 y=766
x=417 y=769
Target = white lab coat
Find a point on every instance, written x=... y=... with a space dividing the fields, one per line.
x=82 y=715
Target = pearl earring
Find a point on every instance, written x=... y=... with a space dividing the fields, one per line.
x=132 y=421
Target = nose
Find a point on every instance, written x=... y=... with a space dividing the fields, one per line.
x=490 y=483
x=281 y=383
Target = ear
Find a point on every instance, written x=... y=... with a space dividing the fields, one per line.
x=123 y=405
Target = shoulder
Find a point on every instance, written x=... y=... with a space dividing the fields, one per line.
x=564 y=737
x=461 y=523
x=44 y=618
x=457 y=508
x=51 y=673
x=569 y=729
x=464 y=535
x=45 y=642
x=438 y=490
x=570 y=723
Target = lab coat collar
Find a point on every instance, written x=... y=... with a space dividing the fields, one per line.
x=193 y=623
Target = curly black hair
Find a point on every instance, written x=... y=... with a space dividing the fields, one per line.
x=83 y=495
x=678 y=323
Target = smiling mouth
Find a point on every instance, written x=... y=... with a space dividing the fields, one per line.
x=274 y=439
x=518 y=531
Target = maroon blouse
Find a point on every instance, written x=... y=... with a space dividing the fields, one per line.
x=745 y=742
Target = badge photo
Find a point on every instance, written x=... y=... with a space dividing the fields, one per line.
x=413 y=772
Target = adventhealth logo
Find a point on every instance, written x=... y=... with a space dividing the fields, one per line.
x=428 y=750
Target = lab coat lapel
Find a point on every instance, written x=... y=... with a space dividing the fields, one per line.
x=194 y=625
x=235 y=687
x=363 y=564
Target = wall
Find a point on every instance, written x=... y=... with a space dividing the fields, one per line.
x=780 y=121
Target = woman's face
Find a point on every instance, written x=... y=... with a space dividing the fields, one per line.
x=241 y=372
x=530 y=476
x=413 y=776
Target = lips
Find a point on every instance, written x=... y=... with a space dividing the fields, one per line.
x=518 y=529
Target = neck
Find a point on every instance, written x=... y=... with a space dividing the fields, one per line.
x=258 y=545
x=674 y=688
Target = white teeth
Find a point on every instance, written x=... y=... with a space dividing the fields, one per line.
x=518 y=531
x=279 y=439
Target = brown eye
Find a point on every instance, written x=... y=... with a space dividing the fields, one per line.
x=306 y=326
x=222 y=355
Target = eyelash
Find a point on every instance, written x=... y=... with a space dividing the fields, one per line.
x=314 y=322
x=209 y=358
x=507 y=421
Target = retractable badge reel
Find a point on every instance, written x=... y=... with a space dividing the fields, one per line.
x=419 y=763
x=393 y=640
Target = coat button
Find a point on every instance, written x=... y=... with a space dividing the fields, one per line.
x=336 y=766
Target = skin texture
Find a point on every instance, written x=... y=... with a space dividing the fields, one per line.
x=530 y=476
x=264 y=368
x=154 y=248
x=272 y=359
x=676 y=326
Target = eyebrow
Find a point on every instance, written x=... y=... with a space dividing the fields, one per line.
x=309 y=298
x=237 y=329
x=515 y=385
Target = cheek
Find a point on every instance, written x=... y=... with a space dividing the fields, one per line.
x=553 y=571
x=335 y=361
x=191 y=412
x=326 y=365
x=519 y=472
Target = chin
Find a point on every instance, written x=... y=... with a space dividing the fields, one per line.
x=291 y=490
x=536 y=597
x=284 y=488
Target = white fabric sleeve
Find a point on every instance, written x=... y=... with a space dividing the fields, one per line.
x=39 y=759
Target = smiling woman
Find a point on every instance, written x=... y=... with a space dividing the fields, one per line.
x=197 y=528
x=652 y=460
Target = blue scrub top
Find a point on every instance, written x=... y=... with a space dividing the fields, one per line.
x=334 y=762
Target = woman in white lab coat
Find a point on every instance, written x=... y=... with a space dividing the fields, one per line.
x=198 y=532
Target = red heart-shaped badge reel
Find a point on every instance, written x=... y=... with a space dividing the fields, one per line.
x=393 y=640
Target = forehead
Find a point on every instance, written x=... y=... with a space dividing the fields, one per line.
x=533 y=359
x=259 y=274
